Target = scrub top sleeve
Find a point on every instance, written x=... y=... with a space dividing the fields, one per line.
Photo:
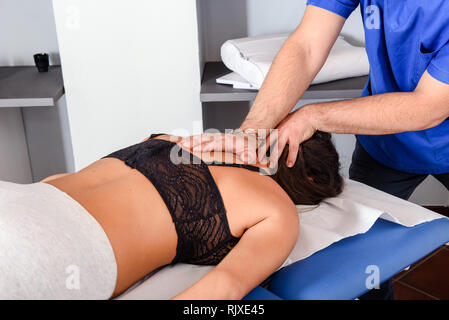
x=439 y=66
x=341 y=7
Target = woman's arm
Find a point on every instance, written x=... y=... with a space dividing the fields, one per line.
x=262 y=249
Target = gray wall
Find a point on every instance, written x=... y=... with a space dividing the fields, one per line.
x=223 y=20
x=14 y=161
x=27 y=27
x=268 y=17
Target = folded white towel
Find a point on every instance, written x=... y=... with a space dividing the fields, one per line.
x=235 y=80
x=252 y=57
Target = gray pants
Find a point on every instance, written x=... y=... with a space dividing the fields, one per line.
x=51 y=247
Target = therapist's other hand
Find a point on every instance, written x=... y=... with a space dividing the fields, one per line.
x=296 y=128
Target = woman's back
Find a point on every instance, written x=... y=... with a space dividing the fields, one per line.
x=139 y=224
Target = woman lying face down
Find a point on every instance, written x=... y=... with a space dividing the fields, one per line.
x=155 y=212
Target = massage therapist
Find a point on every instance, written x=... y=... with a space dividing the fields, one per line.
x=401 y=121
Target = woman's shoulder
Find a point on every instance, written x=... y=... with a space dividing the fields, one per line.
x=276 y=200
x=265 y=194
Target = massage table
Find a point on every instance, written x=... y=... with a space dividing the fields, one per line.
x=344 y=244
x=340 y=270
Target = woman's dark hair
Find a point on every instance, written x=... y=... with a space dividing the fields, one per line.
x=315 y=175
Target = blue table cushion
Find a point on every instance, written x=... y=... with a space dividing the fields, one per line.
x=260 y=293
x=340 y=270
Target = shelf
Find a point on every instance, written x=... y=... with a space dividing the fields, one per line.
x=26 y=87
x=212 y=92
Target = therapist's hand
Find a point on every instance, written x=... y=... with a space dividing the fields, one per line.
x=296 y=128
x=247 y=146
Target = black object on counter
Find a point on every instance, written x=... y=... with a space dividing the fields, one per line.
x=42 y=62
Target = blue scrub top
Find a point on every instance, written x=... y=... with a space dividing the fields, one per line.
x=403 y=39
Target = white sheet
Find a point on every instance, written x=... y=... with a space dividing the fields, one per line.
x=252 y=57
x=353 y=212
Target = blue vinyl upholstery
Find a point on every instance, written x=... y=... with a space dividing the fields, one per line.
x=340 y=270
x=260 y=293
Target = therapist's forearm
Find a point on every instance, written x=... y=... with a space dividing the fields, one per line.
x=290 y=75
x=387 y=113
x=296 y=65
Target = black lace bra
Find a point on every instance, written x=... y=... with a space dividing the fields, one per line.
x=190 y=194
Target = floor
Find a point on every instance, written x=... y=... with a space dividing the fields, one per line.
x=427 y=279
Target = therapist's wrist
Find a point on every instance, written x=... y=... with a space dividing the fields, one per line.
x=251 y=124
x=312 y=113
x=261 y=116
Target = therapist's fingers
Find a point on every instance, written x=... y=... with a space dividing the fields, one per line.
x=245 y=147
x=205 y=142
x=248 y=147
x=196 y=140
x=293 y=148
x=268 y=137
x=276 y=149
x=218 y=142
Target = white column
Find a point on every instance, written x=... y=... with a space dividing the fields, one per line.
x=130 y=68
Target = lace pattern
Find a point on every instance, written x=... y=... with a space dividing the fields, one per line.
x=192 y=197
